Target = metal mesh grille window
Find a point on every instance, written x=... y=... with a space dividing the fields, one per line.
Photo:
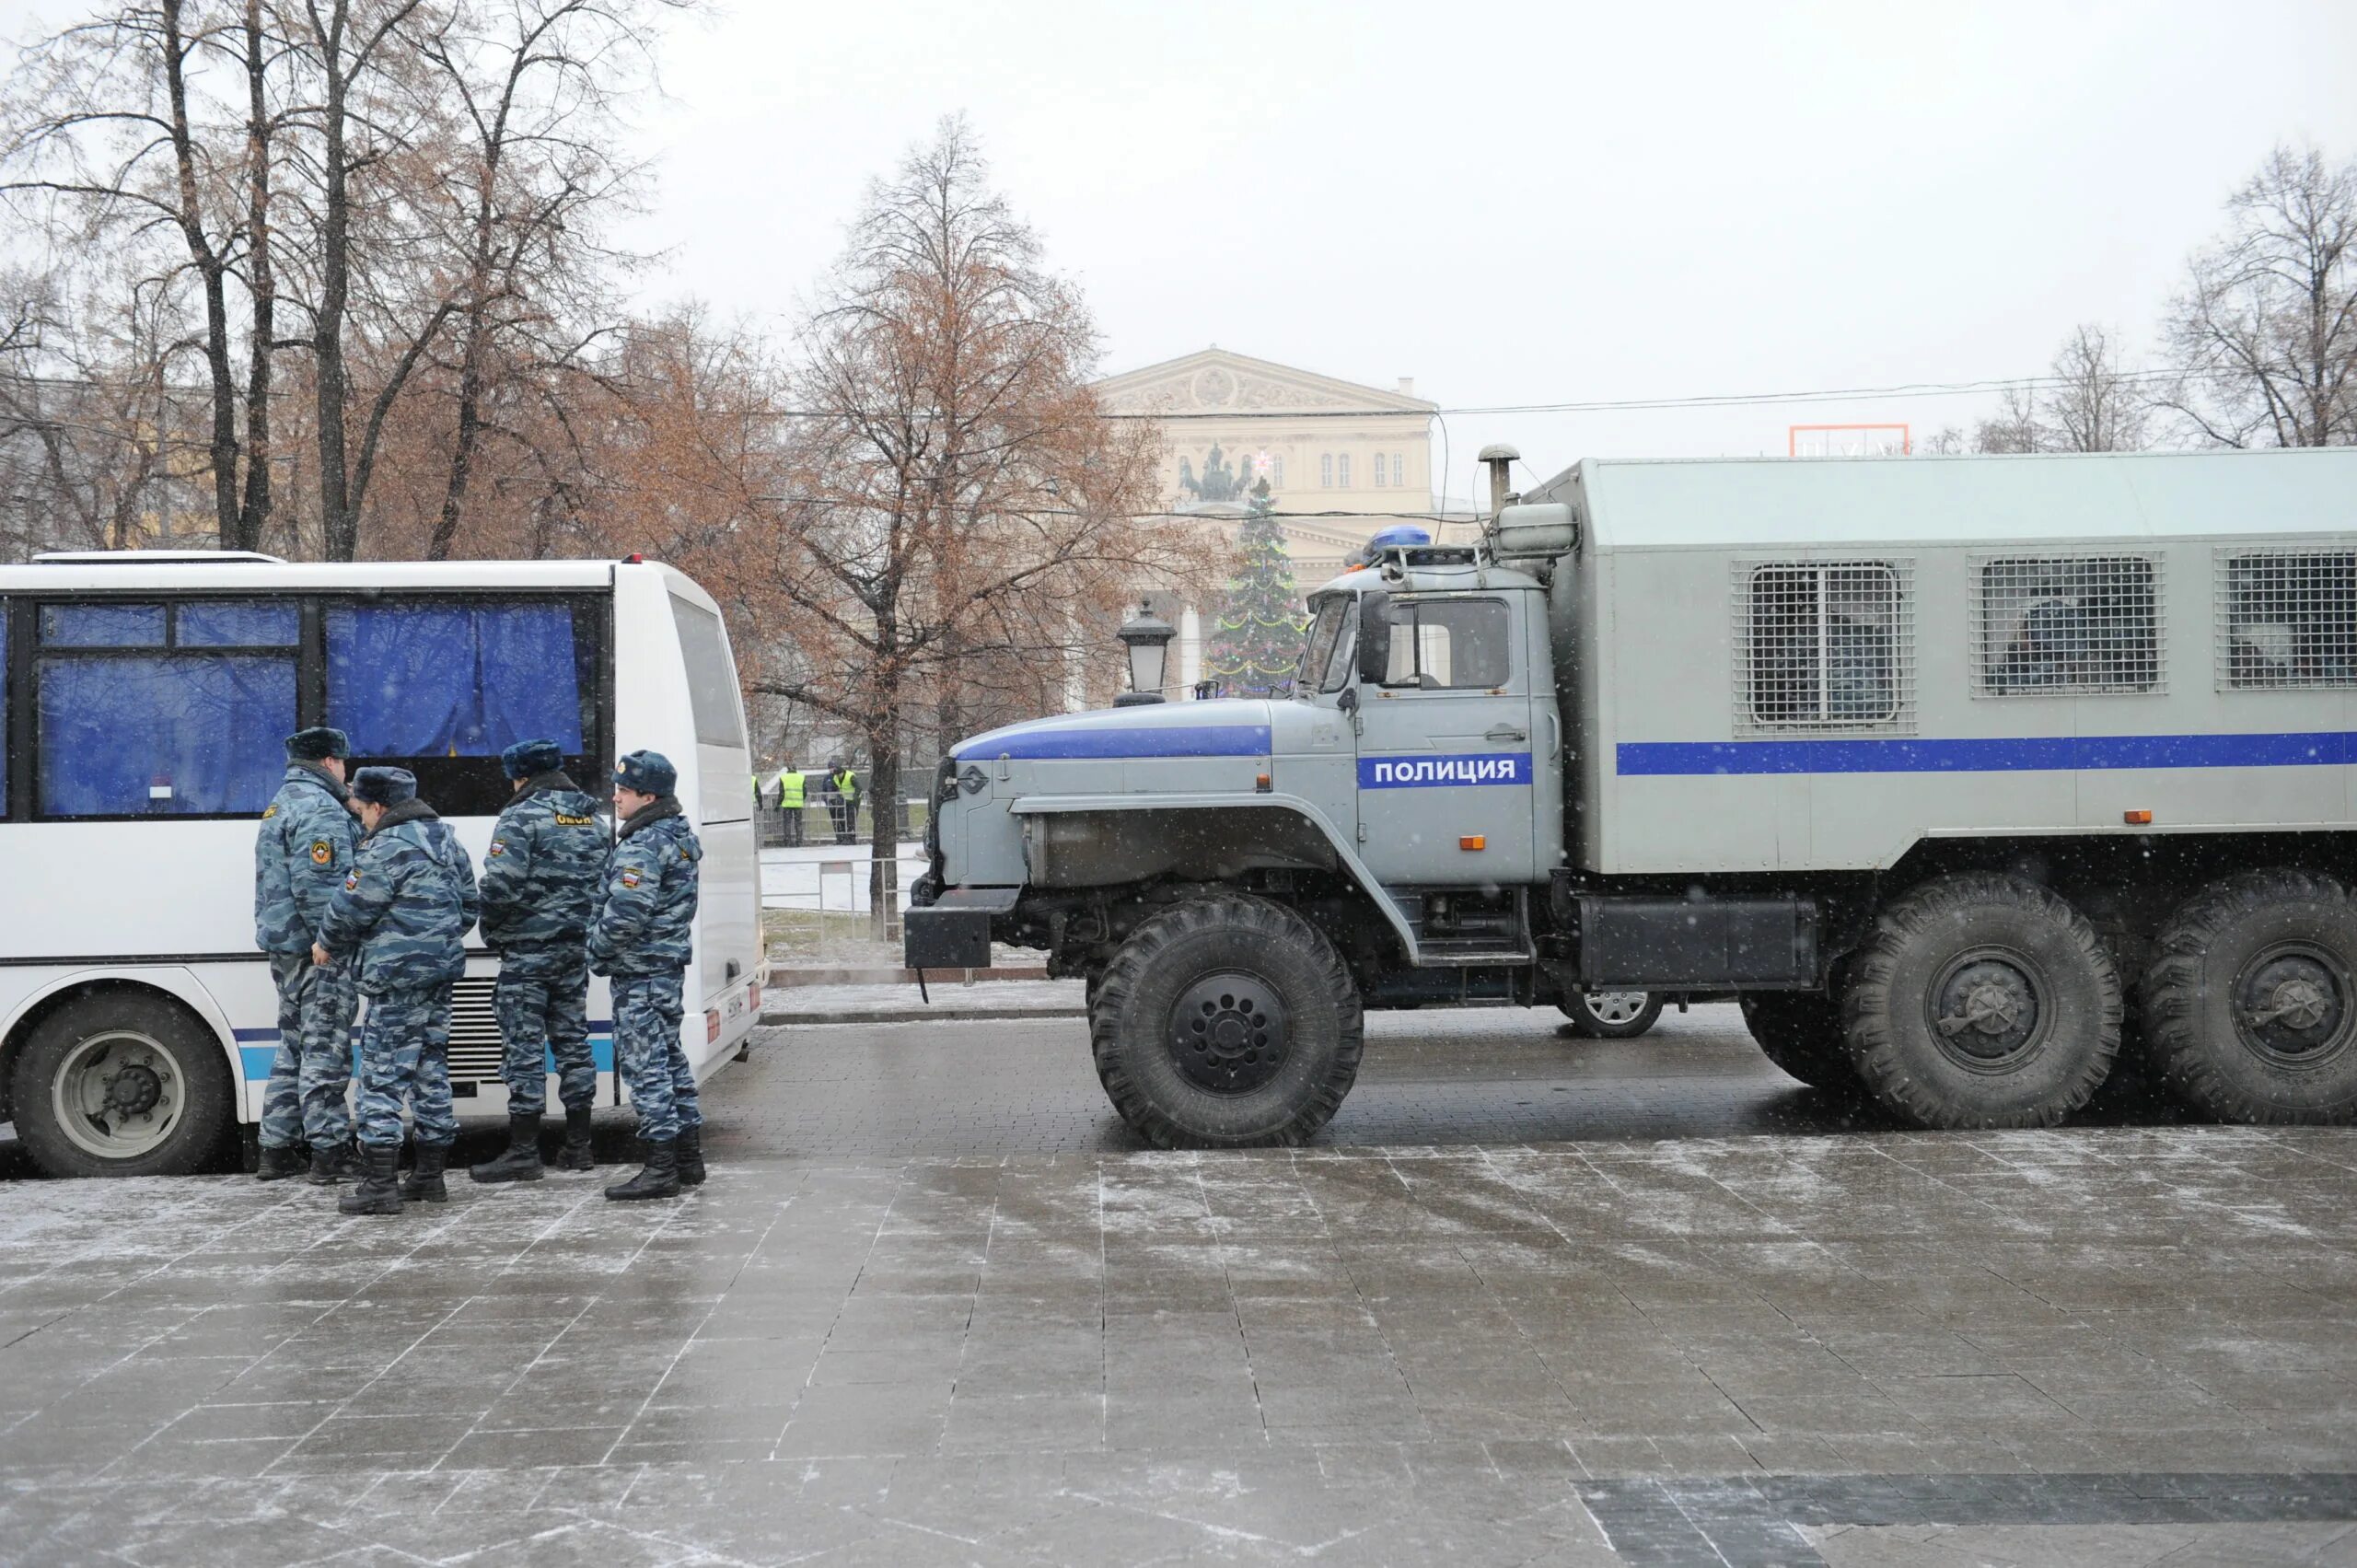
x=2288 y=618
x=1824 y=645
x=2070 y=624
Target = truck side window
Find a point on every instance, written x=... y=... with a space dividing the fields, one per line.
x=1325 y=637
x=1449 y=644
x=1824 y=645
x=2073 y=623
x=2290 y=619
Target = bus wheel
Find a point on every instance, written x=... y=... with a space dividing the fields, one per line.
x=1227 y=1022
x=1982 y=1001
x=1611 y=1015
x=1800 y=1032
x=2250 y=1008
x=120 y=1085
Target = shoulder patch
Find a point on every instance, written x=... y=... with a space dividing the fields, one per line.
x=268 y=811
x=630 y=877
x=498 y=847
x=564 y=821
x=322 y=852
x=351 y=880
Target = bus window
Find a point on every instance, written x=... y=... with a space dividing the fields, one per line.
x=452 y=679
x=711 y=678
x=133 y=717
x=237 y=624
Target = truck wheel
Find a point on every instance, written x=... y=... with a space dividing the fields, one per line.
x=1227 y=1022
x=1982 y=1001
x=122 y=1084
x=2250 y=1008
x=1611 y=1015
x=1800 y=1032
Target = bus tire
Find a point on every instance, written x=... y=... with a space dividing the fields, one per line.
x=1982 y=1000
x=1223 y=1023
x=2250 y=1006
x=1800 y=1032
x=118 y=1082
x=1611 y=1015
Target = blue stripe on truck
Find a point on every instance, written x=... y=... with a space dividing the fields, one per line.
x=2306 y=748
x=1175 y=740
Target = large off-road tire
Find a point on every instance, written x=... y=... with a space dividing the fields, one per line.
x=1982 y=1001
x=2250 y=1006
x=1612 y=1014
x=121 y=1084
x=1227 y=1022
x=1800 y=1032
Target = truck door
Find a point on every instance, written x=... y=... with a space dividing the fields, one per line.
x=1444 y=751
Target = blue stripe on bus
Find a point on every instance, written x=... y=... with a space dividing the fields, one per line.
x=1175 y=741
x=256 y=1060
x=2305 y=748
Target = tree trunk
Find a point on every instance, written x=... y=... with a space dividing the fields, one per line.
x=340 y=527
x=884 y=826
x=212 y=270
x=253 y=512
x=462 y=450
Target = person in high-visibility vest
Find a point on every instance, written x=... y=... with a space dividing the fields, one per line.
x=790 y=787
x=846 y=789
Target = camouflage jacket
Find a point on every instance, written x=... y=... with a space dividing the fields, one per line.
x=646 y=922
x=302 y=852
x=407 y=903
x=542 y=880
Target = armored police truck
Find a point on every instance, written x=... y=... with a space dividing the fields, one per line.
x=1968 y=775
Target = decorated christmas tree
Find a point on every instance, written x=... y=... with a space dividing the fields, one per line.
x=1256 y=640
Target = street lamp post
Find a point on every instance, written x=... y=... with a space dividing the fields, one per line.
x=1146 y=636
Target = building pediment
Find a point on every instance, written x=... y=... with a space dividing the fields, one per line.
x=1216 y=381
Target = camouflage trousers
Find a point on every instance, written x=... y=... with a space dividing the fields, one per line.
x=542 y=1015
x=405 y=1059
x=655 y=1068
x=305 y=1097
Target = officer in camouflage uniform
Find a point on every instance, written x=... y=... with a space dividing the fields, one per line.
x=404 y=909
x=301 y=856
x=641 y=940
x=541 y=884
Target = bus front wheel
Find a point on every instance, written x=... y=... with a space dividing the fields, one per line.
x=117 y=1085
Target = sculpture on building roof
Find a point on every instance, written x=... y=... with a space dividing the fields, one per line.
x=1220 y=482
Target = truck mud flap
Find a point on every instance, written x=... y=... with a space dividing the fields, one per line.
x=954 y=931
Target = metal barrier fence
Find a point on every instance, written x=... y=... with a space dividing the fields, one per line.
x=818 y=904
x=820 y=823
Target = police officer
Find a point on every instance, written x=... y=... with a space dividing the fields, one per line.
x=541 y=884
x=301 y=856
x=790 y=786
x=404 y=910
x=641 y=941
x=846 y=786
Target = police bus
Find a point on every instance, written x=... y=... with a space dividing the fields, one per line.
x=144 y=699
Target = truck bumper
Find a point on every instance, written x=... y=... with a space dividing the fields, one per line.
x=953 y=932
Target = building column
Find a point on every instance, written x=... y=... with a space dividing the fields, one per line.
x=1191 y=651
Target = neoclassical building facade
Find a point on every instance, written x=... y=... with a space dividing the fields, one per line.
x=1341 y=460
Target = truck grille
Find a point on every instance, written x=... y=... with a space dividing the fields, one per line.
x=476 y=1045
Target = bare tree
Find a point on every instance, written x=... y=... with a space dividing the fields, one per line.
x=956 y=494
x=2087 y=403
x=2267 y=326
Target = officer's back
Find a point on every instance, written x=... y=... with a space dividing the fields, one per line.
x=541 y=881
x=418 y=878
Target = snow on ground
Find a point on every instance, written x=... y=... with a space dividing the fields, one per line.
x=828 y=878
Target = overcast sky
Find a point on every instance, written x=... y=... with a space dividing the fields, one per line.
x=1523 y=203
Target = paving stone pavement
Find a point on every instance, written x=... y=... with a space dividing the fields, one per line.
x=1485 y=1322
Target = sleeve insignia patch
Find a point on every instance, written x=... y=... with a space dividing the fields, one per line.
x=268 y=811
x=629 y=878
x=498 y=847
x=322 y=852
x=351 y=880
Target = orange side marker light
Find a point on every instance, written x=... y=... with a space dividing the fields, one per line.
x=1473 y=841
x=2136 y=819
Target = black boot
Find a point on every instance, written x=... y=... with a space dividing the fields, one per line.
x=332 y=1163
x=659 y=1179
x=688 y=1149
x=522 y=1160
x=425 y=1184
x=278 y=1163
x=378 y=1193
x=575 y=1155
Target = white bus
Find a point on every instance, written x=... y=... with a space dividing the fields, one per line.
x=143 y=697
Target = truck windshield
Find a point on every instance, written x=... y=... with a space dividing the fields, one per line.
x=1318 y=654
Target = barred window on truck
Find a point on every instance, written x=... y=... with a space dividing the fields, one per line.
x=1824 y=645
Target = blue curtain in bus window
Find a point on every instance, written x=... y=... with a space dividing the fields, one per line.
x=235 y=623
x=102 y=625
x=170 y=734
x=452 y=680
